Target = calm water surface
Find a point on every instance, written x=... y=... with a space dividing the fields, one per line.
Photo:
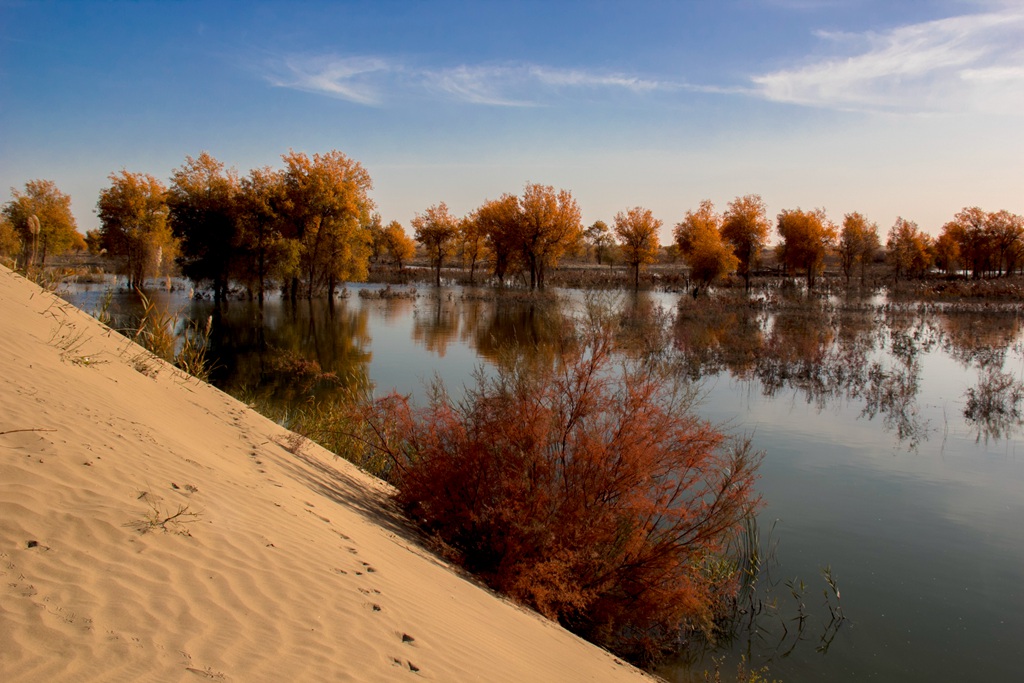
x=870 y=467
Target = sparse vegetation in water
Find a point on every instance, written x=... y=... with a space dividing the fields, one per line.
x=994 y=405
x=162 y=334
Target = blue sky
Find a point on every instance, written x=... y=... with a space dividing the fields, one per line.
x=890 y=108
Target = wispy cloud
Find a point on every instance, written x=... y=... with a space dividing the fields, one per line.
x=966 y=63
x=356 y=79
x=375 y=81
x=501 y=86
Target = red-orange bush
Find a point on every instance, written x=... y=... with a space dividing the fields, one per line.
x=587 y=491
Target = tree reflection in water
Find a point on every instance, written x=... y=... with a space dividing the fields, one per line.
x=289 y=353
x=501 y=328
x=826 y=349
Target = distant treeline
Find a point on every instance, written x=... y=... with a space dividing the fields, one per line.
x=311 y=225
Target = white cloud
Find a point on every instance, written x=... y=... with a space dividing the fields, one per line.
x=373 y=81
x=357 y=79
x=966 y=63
x=585 y=79
x=491 y=85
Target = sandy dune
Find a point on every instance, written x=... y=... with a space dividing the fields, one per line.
x=282 y=566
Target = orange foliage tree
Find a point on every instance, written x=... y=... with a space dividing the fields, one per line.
x=807 y=236
x=858 y=242
x=397 y=245
x=586 y=490
x=549 y=227
x=637 y=230
x=745 y=226
x=908 y=249
x=328 y=208
x=987 y=243
x=438 y=231
x=498 y=221
x=699 y=237
x=133 y=224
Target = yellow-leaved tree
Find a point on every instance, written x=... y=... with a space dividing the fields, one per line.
x=397 y=246
x=133 y=224
x=700 y=241
x=549 y=227
x=637 y=230
x=437 y=230
x=807 y=237
x=745 y=226
x=327 y=208
x=858 y=243
x=42 y=218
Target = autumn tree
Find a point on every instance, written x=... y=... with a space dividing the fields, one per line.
x=947 y=253
x=327 y=207
x=699 y=239
x=202 y=202
x=1006 y=239
x=133 y=224
x=472 y=243
x=41 y=216
x=397 y=246
x=969 y=228
x=437 y=230
x=598 y=238
x=745 y=226
x=94 y=241
x=908 y=250
x=586 y=490
x=637 y=232
x=498 y=221
x=807 y=237
x=375 y=236
x=10 y=242
x=265 y=255
x=549 y=226
x=858 y=243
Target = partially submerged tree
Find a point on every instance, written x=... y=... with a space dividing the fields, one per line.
x=133 y=224
x=549 y=227
x=265 y=255
x=969 y=228
x=327 y=209
x=472 y=243
x=1006 y=231
x=947 y=253
x=590 y=492
x=858 y=244
x=637 y=230
x=498 y=221
x=807 y=237
x=700 y=242
x=745 y=226
x=908 y=250
x=437 y=230
x=397 y=247
x=202 y=203
x=987 y=243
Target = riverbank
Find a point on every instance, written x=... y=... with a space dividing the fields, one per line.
x=154 y=528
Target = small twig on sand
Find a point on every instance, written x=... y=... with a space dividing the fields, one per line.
x=34 y=429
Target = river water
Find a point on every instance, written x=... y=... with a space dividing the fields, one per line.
x=871 y=468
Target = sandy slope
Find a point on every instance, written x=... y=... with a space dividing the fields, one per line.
x=293 y=567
